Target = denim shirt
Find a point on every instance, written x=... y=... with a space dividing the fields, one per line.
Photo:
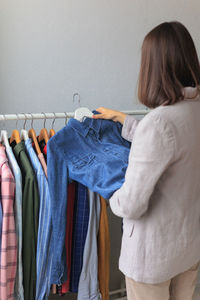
x=91 y=152
x=44 y=253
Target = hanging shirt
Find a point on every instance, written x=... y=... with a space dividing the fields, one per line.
x=43 y=148
x=9 y=242
x=80 y=227
x=92 y=153
x=44 y=251
x=69 y=232
x=19 y=290
x=30 y=216
x=43 y=163
x=104 y=251
x=88 y=287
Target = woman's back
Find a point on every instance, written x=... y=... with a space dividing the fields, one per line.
x=165 y=240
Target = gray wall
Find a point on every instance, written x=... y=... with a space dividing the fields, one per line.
x=50 y=49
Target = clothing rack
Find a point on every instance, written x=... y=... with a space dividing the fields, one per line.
x=66 y=115
x=34 y=116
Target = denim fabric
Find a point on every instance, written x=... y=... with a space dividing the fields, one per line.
x=88 y=288
x=19 y=290
x=44 y=251
x=91 y=152
x=81 y=218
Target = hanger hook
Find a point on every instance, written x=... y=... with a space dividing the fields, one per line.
x=66 y=116
x=79 y=98
x=45 y=118
x=53 y=120
x=24 y=126
x=17 y=121
x=31 y=119
x=4 y=119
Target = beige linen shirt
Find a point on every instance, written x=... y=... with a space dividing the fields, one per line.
x=160 y=198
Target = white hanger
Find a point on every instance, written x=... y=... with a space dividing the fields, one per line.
x=81 y=112
x=24 y=132
x=4 y=137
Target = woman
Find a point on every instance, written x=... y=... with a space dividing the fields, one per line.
x=160 y=198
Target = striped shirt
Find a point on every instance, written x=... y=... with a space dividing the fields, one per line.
x=19 y=289
x=44 y=251
x=88 y=286
x=9 y=242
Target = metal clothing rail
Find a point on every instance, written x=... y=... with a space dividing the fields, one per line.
x=34 y=116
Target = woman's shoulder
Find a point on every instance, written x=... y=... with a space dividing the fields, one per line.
x=158 y=120
x=157 y=115
x=170 y=113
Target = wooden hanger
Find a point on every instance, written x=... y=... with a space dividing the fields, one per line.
x=51 y=132
x=33 y=136
x=15 y=135
x=44 y=133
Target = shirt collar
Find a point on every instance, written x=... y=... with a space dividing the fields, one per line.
x=190 y=92
x=28 y=143
x=3 y=157
x=19 y=147
x=84 y=127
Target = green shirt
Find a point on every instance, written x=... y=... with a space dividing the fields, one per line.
x=30 y=214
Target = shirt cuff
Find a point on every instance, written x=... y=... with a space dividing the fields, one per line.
x=129 y=127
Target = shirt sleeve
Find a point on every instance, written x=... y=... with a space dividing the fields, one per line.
x=151 y=153
x=129 y=127
x=57 y=180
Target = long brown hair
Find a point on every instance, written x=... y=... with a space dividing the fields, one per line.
x=169 y=63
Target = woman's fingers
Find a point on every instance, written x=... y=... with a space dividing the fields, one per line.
x=104 y=113
x=100 y=109
x=110 y=114
x=98 y=116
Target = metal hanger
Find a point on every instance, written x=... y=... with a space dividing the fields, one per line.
x=24 y=132
x=66 y=117
x=52 y=131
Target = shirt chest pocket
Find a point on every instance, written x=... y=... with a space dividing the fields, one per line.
x=81 y=161
x=117 y=153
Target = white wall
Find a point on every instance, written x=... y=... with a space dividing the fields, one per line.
x=50 y=49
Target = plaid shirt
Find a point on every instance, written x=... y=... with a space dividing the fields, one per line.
x=80 y=220
x=9 y=242
x=19 y=289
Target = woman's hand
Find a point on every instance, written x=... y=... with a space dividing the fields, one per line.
x=110 y=114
